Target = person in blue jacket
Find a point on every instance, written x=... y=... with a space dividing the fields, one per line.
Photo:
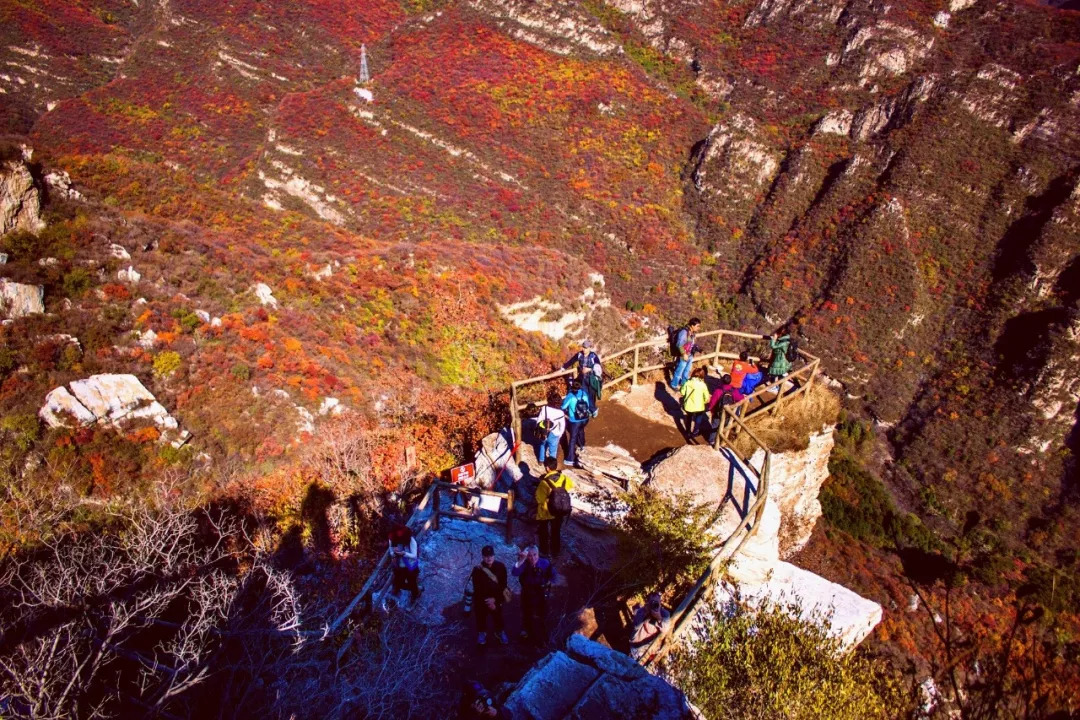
x=684 y=358
x=578 y=409
x=586 y=357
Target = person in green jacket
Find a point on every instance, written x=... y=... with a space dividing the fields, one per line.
x=695 y=394
x=779 y=366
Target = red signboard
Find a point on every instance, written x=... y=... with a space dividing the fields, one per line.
x=462 y=474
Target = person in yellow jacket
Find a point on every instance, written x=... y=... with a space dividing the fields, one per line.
x=549 y=520
x=695 y=395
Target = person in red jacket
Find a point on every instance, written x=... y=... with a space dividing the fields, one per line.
x=740 y=368
x=727 y=394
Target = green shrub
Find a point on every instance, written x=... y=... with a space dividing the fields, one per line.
x=661 y=542
x=166 y=363
x=767 y=664
x=855 y=501
x=76 y=281
x=22 y=429
x=241 y=372
x=188 y=320
x=8 y=361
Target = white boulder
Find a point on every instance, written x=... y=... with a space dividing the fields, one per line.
x=119 y=252
x=61 y=408
x=111 y=399
x=265 y=295
x=130 y=275
x=18 y=300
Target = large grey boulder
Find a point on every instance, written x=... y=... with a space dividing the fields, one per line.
x=590 y=681
x=18 y=300
x=112 y=399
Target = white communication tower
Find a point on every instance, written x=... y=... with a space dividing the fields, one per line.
x=365 y=76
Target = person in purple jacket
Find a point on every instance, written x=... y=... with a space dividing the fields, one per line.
x=535 y=575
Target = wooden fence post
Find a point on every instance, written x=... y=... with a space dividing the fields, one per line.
x=813 y=374
x=509 y=515
x=719 y=340
x=515 y=423
x=633 y=381
x=436 y=506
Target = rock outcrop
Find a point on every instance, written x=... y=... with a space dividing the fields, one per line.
x=108 y=399
x=20 y=198
x=18 y=300
x=588 y=681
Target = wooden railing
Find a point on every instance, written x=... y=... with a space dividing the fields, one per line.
x=420 y=521
x=768 y=397
x=701 y=593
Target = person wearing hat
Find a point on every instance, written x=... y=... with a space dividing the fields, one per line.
x=585 y=357
x=650 y=620
x=490 y=593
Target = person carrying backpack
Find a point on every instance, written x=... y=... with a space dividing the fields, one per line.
x=488 y=586
x=552 y=507
x=578 y=410
x=682 y=348
x=585 y=357
x=551 y=424
x=406 y=562
x=694 y=395
x=536 y=575
x=727 y=394
x=780 y=365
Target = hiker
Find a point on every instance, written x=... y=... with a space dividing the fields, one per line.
x=586 y=357
x=477 y=702
x=740 y=368
x=487 y=586
x=552 y=507
x=536 y=575
x=695 y=393
x=682 y=348
x=594 y=386
x=726 y=394
x=578 y=410
x=783 y=355
x=405 y=560
x=752 y=379
x=551 y=424
x=650 y=620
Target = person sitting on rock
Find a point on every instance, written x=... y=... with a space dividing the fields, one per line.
x=477 y=702
x=695 y=393
x=551 y=424
x=405 y=559
x=536 y=575
x=549 y=519
x=488 y=585
x=726 y=394
x=650 y=620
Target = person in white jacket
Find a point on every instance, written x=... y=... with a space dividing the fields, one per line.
x=405 y=561
x=552 y=423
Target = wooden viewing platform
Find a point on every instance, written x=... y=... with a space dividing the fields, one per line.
x=628 y=365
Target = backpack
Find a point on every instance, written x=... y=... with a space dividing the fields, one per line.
x=673 y=340
x=582 y=411
x=558 y=500
x=727 y=398
x=792 y=351
x=595 y=387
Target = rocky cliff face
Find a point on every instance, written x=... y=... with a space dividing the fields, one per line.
x=20 y=199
